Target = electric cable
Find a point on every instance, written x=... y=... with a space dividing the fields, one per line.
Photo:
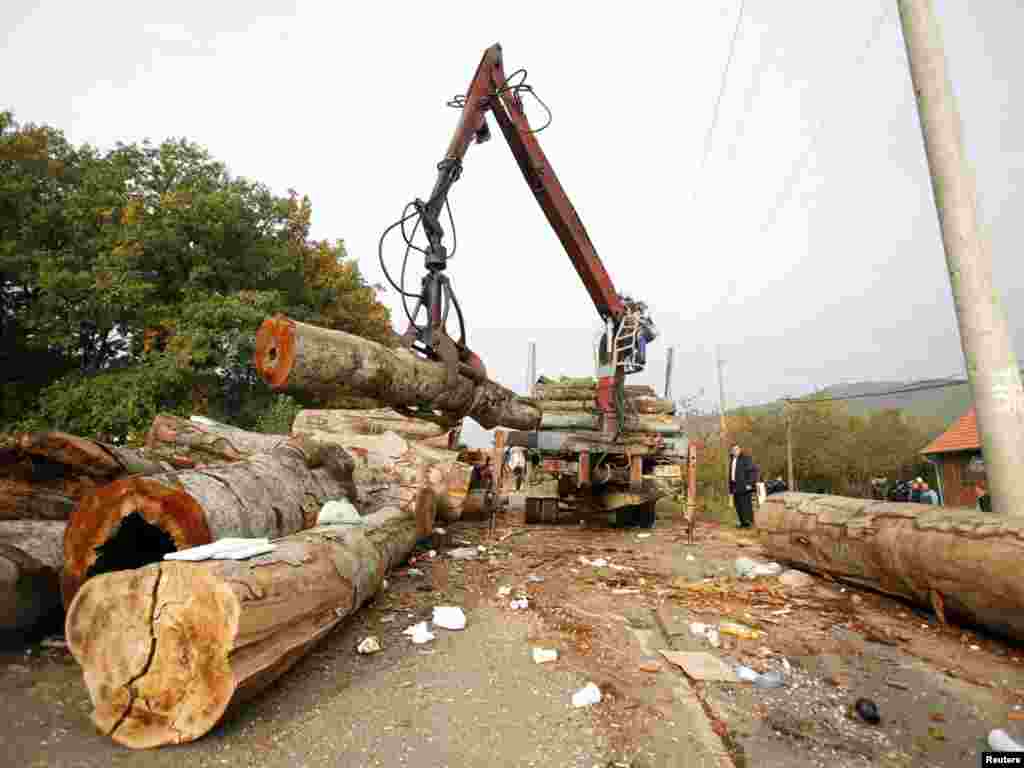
x=905 y=391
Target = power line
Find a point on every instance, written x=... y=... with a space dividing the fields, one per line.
x=903 y=391
x=800 y=166
x=718 y=101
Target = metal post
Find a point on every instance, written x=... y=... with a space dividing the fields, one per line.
x=992 y=367
x=789 y=447
x=668 y=373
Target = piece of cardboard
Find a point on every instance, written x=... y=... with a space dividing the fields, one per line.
x=700 y=665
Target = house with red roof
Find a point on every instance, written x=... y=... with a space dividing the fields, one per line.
x=956 y=454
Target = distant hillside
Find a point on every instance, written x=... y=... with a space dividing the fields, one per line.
x=933 y=399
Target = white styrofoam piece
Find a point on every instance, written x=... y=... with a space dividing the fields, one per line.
x=245 y=552
x=206 y=551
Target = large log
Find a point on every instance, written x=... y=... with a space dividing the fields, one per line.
x=167 y=648
x=638 y=404
x=197 y=441
x=42 y=474
x=582 y=420
x=135 y=521
x=589 y=392
x=367 y=422
x=31 y=556
x=308 y=362
x=964 y=564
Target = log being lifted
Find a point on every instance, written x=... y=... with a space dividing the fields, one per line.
x=135 y=521
x=306 y=361
x=966 y=565
x=167 y=648
x=31 y=557
x=42 y=474
x=556 y=391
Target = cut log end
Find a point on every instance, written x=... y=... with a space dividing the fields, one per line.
x=275 y=350
x=128 y=524
x=154 y=644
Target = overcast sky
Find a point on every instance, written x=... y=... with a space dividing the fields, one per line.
x=842 y=279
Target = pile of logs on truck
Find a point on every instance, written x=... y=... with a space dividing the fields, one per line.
x=576 y=471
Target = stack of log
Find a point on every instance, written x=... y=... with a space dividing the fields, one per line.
x=573 y=407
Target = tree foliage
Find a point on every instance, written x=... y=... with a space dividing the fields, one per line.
x=151 y=263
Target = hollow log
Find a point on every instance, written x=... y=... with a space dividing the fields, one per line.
x=309 y=362
x=166 y=649
x=578 y=392
x=31 y=556
x=970 y=561
x=642 y=423
x=193 y=442
x=135 y=521
x=367 y=422
x=42 y=474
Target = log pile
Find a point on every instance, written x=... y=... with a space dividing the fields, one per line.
x=964 y=564
x=166 y=649
x=573 y=407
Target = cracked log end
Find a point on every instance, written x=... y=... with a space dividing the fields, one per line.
x=275 y=350
x=169 y=518
x=153 y=645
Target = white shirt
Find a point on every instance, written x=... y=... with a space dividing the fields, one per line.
x=734 y=468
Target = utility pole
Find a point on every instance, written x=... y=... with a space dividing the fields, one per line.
x=791 y=478
x=721 y=394
x=531 y=367
x=668 y=373
x=992 y=367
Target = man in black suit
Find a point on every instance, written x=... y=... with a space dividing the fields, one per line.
x=741 y=486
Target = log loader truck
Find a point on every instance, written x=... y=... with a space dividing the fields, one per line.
x=611 y=467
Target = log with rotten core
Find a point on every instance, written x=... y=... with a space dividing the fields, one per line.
x=964 y=564
x=42 y=475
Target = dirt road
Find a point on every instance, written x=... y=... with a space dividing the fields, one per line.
x=608 y=601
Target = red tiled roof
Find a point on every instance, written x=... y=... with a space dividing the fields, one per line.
x=962 y=436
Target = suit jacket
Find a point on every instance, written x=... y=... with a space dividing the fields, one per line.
x=744 y=475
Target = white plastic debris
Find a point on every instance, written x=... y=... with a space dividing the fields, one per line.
x=750 y=569
x=415 y=572
x=419 y=633
x=586 y=696
x=218 y=550
x=369 y=645
x=504 y=591
x=519 y=605
x=746 y=674
x=449 y=617
x=544 y=655
x=339 y=512
x=1000 y=741
x=463 y=553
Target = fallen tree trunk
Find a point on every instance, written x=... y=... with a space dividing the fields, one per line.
x=135 y=521
x=373 y=422
x=307 y=362
x=42 y=474
x=193 y=442
x=31 y=556
x=962 y=563
x=166 y=649
x=647 y=405
x=643 y=423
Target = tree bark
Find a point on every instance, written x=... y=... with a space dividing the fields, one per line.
x=31 y=556
x=367 y=422
x=193 y=442
x=89 y=457
x=970 y=560
x=135 y=521
x=166 y=649
x=307 y=362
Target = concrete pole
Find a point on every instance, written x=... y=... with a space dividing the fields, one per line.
x=721 y=395
x=992 y=367
x=791 y=479
x=668 y=373
x=531 y=368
